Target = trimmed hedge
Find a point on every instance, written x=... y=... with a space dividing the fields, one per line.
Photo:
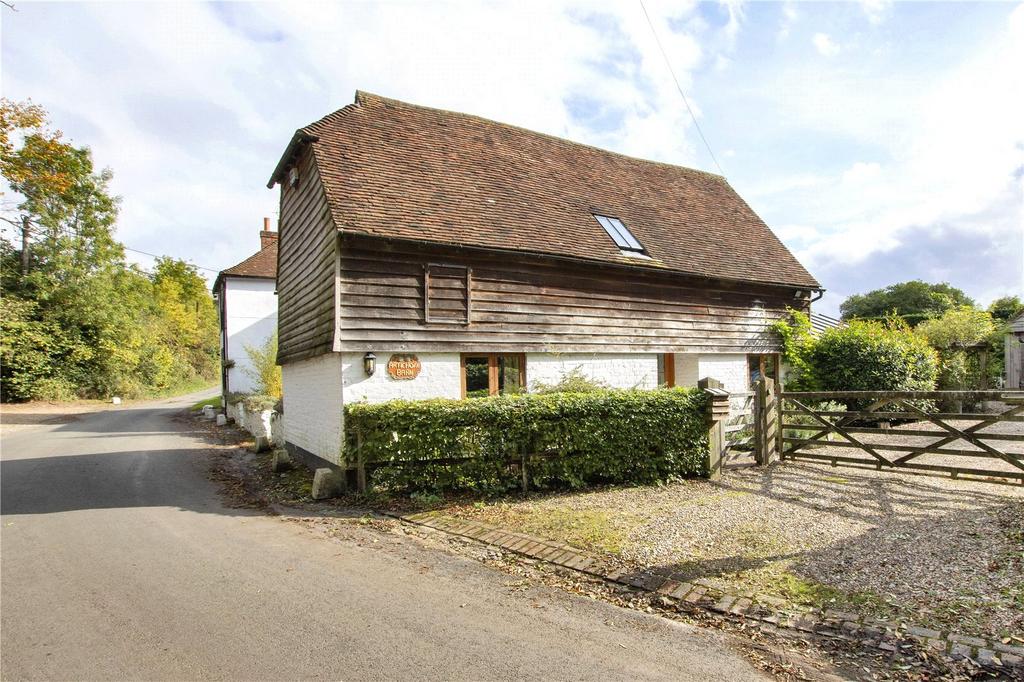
x=571 y=439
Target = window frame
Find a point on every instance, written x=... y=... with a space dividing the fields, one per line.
x=492 y=370
x=667 y=369
x=621 y=235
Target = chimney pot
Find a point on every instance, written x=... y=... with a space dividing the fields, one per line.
x=267 y=236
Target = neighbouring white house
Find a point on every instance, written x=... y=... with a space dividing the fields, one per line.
x=246 y=296
x=432 y=254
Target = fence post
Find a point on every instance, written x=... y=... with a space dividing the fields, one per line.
x=360 y=463
x=760 y=403
x=717 y=412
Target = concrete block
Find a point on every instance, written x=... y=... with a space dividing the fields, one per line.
x=115 y=400
x=208 y=412
x=222 y=420
x=327 y=483
x=281 y=461
x=260 y=444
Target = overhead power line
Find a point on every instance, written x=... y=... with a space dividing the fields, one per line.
x=680 y=88
x=153 y=255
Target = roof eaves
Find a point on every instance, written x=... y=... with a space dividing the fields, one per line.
x=300 y=138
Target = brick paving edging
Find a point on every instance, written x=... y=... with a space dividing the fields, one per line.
x=883 y=634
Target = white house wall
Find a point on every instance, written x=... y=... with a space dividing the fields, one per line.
x=617 y=370
x=440 y=375
x=251 y=318
x=313 y=405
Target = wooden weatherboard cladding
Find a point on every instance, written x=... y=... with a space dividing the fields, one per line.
x=307 y=267
x=446 y=293
x=524 y=303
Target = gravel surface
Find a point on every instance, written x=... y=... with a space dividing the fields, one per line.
x=938 y=552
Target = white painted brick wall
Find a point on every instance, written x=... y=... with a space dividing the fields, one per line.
x=618 y=370
x=439 y=377
x=313 y=405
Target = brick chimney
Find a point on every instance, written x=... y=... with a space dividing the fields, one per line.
x=267 y=236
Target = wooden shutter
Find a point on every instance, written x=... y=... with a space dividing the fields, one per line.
x=446 y=294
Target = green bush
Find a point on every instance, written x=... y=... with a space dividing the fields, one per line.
x=574 y=439
x=873 y=356
x=573 y=381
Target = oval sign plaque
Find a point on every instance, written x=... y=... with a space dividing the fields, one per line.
x=404 y=366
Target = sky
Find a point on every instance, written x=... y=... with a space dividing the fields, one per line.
x=881 y=141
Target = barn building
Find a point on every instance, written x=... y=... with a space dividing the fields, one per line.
x=425 y=253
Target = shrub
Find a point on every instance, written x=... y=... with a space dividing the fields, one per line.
x=797 y=345
x=573 y=381
x=265 y=371
x=572 y=439
x=873 y=356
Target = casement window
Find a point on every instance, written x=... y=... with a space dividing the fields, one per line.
x=447 y=294
x=667 y=369
x=485 y=374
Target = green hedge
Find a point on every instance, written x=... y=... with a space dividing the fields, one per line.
x=575 y=439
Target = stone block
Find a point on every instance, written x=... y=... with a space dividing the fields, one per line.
x=281 y=461
x=222 y=420
x=970 y=641
x=260 y=444
x=327 y=483
x=922 y=632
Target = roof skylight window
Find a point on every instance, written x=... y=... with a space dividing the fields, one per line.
x=622 y=237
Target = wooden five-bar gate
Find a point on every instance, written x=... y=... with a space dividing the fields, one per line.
x=890 y=430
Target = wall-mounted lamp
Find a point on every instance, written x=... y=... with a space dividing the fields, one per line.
x=369 y=364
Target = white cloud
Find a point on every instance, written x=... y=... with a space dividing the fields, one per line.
x=825 y=45
x=789 y=17
x=861 y=172
x=876 y=10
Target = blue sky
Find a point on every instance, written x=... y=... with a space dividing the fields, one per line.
x=882 y=141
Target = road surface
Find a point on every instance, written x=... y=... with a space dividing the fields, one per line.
x=119 y=561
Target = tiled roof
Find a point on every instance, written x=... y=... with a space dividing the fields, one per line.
x=398 y=170
x=263 y=263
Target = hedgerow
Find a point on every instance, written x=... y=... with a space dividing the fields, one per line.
x=567 y=439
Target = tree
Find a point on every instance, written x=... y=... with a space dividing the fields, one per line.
x=1006 y=308
x=914 y=301
x=78 y=320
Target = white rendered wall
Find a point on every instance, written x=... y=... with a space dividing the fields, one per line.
x=440 y=377
x=618 y=370
x=729 y=368
x=251 y=318
x=313 y=405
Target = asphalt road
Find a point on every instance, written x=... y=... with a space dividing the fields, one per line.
x=120 y=561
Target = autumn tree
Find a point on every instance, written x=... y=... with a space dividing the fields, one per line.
x=77 y=319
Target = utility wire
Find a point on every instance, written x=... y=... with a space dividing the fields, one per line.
x=153 y=255
x=679 y=88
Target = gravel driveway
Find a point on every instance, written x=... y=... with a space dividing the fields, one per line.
x=938 y=552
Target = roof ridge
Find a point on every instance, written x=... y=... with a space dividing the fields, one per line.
x=365 y=98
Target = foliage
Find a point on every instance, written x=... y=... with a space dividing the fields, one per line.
x=597 y=437
x=797 y=345
x=873 y=356
x=81 y=322
x=960 y=327
x=953 y=334
x=265 y=371
x=914 y=301
x=573 y=381
x=1006 y=308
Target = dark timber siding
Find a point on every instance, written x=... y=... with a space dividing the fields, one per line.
x=525 y=303
x=306 y=268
